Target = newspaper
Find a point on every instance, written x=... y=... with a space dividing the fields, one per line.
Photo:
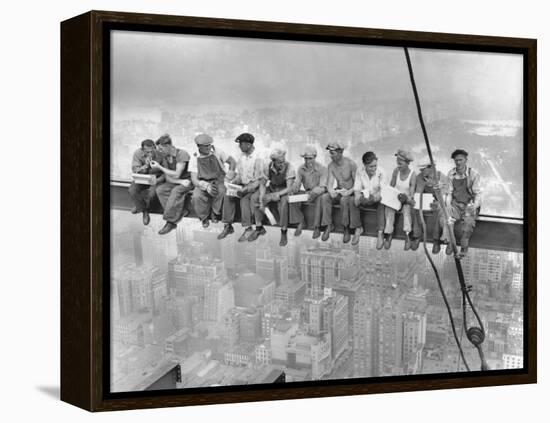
x=389 y=197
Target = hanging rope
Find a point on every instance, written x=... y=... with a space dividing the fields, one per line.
x=476 y=335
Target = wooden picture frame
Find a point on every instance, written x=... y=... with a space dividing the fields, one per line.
x=85 y=193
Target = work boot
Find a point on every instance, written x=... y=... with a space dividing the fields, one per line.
x=284 y=239
x=246 y=234
x=316 y=232
x=227 y=229
x=146 y=217
x=134 y=210
x=169 y=226
x=260 y=230
x=347 y=235
x=387 y=241
x=436 y=247
x=356 y=236
x=415 y=243
x=299 y=229
x=380 y=240
x=205 y=223
x=407 y=246
x=326 y=234
x=449 y=249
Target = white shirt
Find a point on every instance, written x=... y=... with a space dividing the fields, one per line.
x=250 y=167
x=369 y=185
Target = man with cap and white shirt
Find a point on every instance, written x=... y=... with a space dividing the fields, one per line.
x=340 y=180
x=404 y=180
x=312 y=175
x=207 y=169
x=463 y=200
x=426 y=182
x=172 y=193
x=250 y=168
x=275 y=184
x=367 y=192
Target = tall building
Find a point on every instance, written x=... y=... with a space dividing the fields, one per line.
x=250 y=329
x=414 y=334
x=209 y=238
x=219 y=298
x=189 y=275
x=322 y=267
x=158 y=250
x=137 y=288
x=390 y=339
x=365 y=338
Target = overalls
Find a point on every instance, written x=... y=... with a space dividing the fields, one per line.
x=172 y=196
x=209 y=170
x=458 y=210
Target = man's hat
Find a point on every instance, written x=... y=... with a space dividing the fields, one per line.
x=404 y=154
x=335 y=145
x=203 y=139
x=245 y=137
x=424 y=164
x=277 y=153
x=309 y=151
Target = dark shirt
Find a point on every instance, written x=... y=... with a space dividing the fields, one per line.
x=316 y=176
x=140 y=158
x=174 y=157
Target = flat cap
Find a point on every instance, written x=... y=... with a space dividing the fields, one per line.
x=404 y=154
x=424 y=164
x=245 y=137
x=277 y=153
x=203 y=139
x=309 y=151
x=335 y=145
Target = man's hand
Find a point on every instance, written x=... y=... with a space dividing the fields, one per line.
x=357 y=200
x=333 y=194
x=155 y=165
x=376 y=197
x=212 y=189
x=346 y=192
x=185 y=182
x=230 y=175
x=451 y=220
x=471 y=208
x=402 y=198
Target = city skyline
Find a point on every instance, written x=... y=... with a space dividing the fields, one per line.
x=312 y=310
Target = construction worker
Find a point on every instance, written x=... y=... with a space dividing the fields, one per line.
x=367 y=192
x=312 y=176
x=142 y=194
x=404 y=180
x=172 y=192
x=275 y=184
x=250 y=168
x=425 y=184
x=207 y=168
x=463 y=200
x=341 y=172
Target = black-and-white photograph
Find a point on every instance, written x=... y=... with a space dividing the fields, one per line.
x=289 y=211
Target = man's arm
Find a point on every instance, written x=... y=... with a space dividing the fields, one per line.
x=137 y=163
x=353 y=171
x=476 y=189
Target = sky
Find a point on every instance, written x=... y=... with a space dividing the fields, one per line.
x=180 y=72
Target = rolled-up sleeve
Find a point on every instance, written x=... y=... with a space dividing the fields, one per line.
x=260 y=169
x=358 y=184
x=137 y=162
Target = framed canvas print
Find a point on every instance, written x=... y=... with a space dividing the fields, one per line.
x=258 y=210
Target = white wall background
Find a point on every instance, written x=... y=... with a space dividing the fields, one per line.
x=29 y=235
